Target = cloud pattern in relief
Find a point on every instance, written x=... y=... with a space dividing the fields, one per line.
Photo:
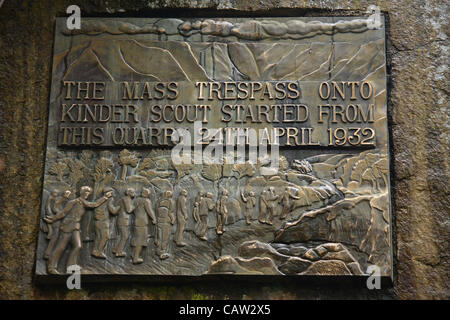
x=250 y=30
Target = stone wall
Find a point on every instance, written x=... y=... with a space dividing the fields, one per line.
x=417 y=55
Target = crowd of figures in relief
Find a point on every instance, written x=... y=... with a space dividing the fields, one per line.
x=137 y=209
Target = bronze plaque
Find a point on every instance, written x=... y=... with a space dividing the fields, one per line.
x=217 y=146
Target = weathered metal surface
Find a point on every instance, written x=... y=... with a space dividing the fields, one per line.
x=319 y=83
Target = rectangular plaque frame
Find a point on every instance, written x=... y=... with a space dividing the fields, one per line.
x=326 y=211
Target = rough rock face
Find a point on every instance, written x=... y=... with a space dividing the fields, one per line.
x=327 y=268
x=367 y=232
x=256 y=257
x=255 y=265
x=417 y=56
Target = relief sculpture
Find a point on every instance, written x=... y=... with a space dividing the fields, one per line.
x=143 y=212
x=345 y=212
x=71 y=216
x=101 y=217
x=114 y=199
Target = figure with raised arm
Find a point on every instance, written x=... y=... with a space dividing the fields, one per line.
x=101 y=224
x=72 y=213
